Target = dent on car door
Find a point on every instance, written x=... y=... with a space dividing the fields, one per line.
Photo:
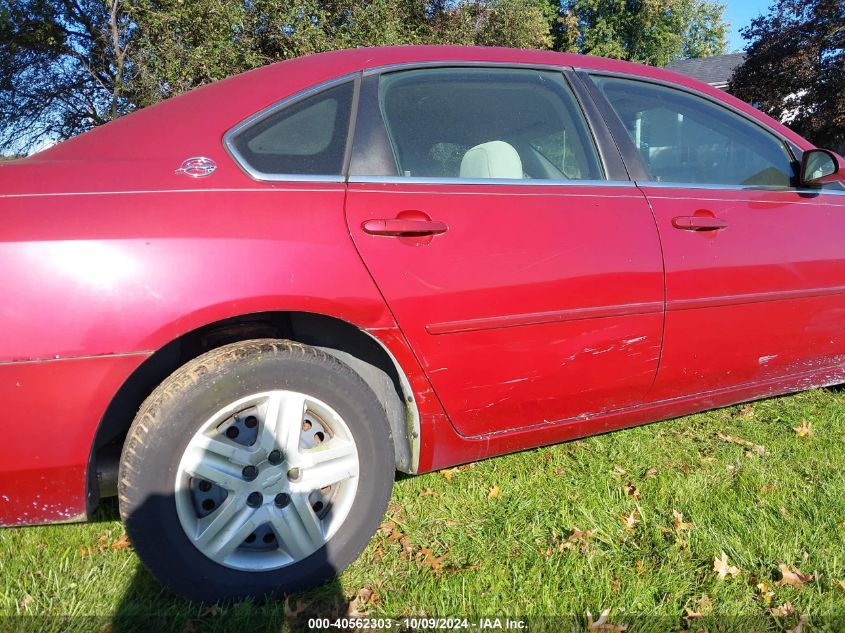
x=755 y=267
x=529 y=285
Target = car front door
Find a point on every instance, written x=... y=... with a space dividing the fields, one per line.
x=529 y=284
x=755 y=267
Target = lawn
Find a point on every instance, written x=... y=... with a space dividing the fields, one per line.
x=636 y=522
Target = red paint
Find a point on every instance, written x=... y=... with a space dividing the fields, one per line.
x=482 y=290
x=757 y=299
x=521 y=315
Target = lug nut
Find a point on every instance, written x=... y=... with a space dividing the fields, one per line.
x=275 y=457
x=294 y=474
x=255 y=499
x=282 y=499
x=250 y=472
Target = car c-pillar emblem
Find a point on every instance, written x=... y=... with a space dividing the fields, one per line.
x=197 y=167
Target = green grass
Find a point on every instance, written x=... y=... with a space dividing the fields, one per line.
x=510 y=555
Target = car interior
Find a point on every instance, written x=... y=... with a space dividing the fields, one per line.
x=486 y=123
x=686 y=139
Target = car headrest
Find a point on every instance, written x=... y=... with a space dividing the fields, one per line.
x=494 y=159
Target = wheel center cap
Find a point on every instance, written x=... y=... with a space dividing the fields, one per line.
x=270 y=477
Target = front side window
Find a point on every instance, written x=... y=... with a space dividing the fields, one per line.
x=486 y=123
x=307 y=137
x=683 y=138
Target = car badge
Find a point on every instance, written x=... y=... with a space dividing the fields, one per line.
x=197 y=167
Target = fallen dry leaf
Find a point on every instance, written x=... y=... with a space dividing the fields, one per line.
x=361 y=602
x=766 y=593
x=615 y=584
x=378 y=554
x=25 y=602
x=428 y=492
x=784 y=512
x=703 y=607
x=577 y=538
x=121 y=543
x=692 y=615
x=746 y=411
x=842 y=584
x=680 y=524
x=631 y=490
x=804 y=430
x=798 y=628
x=759 y=449
x=784 y=610
x=723 y=569
x=618 y=470
x=426 y=558
x=602 y=624
x=704 y=603
x=395 y=535
x=792 y=576
x=493 y=493
x=630 y=521
x=449 y=473
x=651 y=472
x=104 y=544
x=559 y=471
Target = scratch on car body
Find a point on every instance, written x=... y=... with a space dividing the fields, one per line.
x=631 y=341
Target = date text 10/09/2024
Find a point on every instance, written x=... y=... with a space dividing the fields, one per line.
x=417 y=624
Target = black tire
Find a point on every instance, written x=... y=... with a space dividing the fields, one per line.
x=172 y=414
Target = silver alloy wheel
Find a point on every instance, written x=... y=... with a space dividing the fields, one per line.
x=267 y=480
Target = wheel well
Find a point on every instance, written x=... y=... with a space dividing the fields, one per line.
x=357 y=349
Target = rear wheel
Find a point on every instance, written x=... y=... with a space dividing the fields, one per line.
x=261 y=467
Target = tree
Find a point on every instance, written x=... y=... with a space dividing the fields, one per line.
x=69 y=65
x=794 y=68
x=64 y=68
x=648 y=31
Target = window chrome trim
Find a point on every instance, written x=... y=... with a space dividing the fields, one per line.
x=240 y=161
x=711 y=187
x=418 y=180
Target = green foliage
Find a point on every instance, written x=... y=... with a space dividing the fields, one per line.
x=649 y=31
x=795 y=68
x=68 y=65
x=62 y=68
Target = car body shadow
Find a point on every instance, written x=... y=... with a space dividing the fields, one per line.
x=146 y=605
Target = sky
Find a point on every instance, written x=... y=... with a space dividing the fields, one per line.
x=740 y=13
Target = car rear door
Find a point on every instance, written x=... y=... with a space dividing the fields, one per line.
x=520 y=263
x=755 y=267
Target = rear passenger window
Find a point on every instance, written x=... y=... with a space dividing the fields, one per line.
x=307 y=137
x=683 y=138
x=486 y=123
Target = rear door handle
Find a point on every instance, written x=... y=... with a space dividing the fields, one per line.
x=698 y=223
x=399 y=227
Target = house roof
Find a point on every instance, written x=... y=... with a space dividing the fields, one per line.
x=715 y=70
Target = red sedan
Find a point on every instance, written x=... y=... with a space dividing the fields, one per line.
x=244 y=309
